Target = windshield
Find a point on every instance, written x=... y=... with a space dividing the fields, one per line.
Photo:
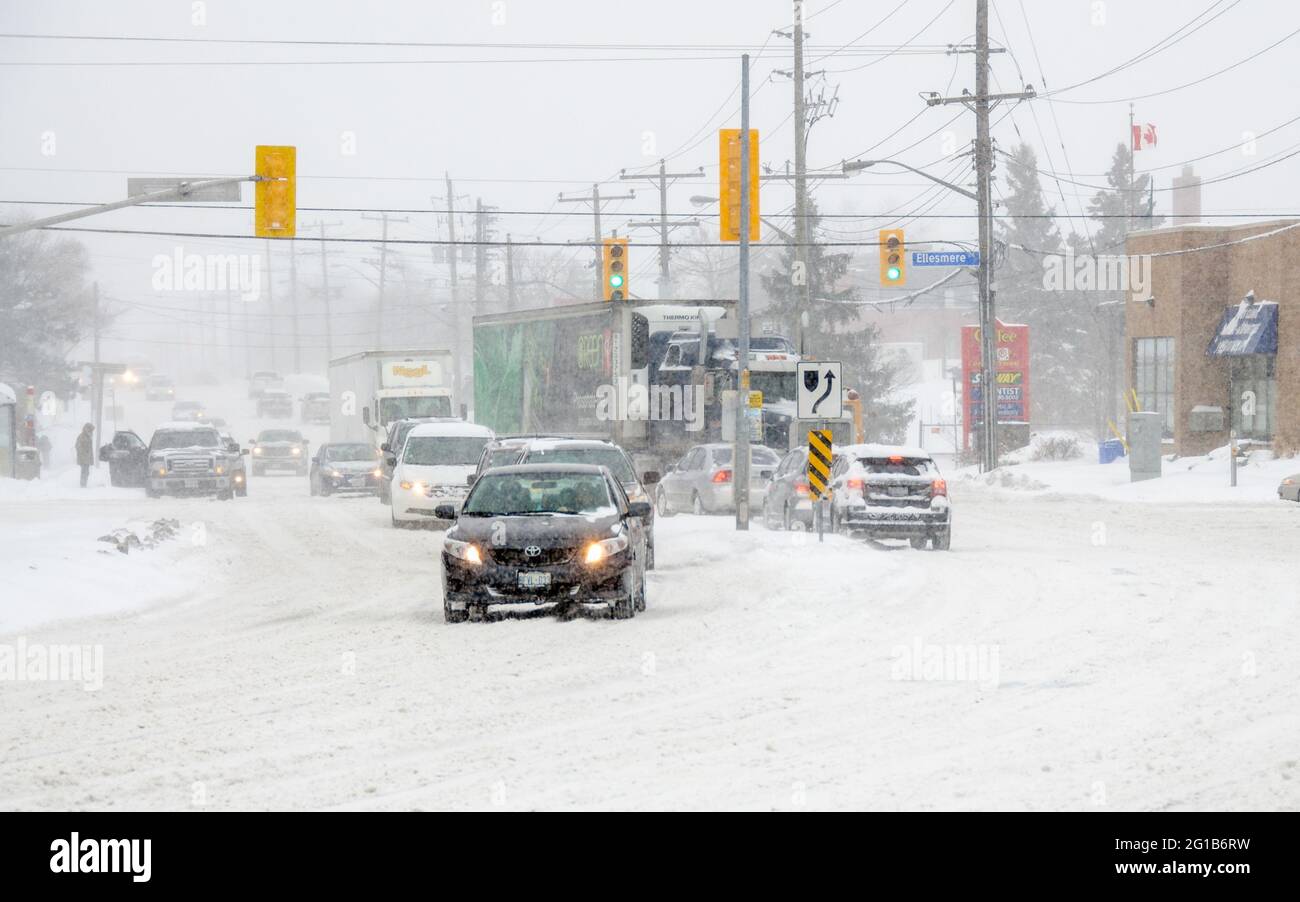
x=444 y=450
x=911 y=466
x=774 y=386
x=349 y=452
x=601 y=457
x=400 y=408
x=502 y=456
x=160 y=380
x=535 y=493
x=185 y=438
x=279 y=435
x=759 y=455
x=771 y=343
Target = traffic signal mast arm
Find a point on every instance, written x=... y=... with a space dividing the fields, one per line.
x=180 y=192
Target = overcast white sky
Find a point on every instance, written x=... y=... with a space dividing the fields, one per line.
x=517 y=125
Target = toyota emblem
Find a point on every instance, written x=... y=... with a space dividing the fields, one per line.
x=533 y=550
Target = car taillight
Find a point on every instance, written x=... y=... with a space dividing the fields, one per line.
x=722 y=476
x=939 y=487
x=801 y=488
x=855 y=484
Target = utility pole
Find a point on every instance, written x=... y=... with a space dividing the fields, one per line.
x=664 y=227
x=596 y=200
x=97 y=386
x=383 y=273
x=803 y=295
x=982 y=104
x=293 y=304
x=230 y=332
x=462 y=326
x=510 y=273
x=481 y=222
x=740 y=470
x=325 y=283
x=270 y=307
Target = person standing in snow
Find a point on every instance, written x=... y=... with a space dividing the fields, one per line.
x=85 y=451
x=43 y=446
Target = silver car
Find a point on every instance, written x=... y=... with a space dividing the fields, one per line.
x=1289 y=489
x=701 y=482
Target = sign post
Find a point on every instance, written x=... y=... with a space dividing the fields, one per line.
x=819 y=474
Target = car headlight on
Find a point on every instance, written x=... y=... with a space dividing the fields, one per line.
x=257 y=450
x=599 y=551
x=465 y=551
x=220 y=469
x=376 y=472
x=417 y=487
x=335 y=473
x=160 y=470
x=296 y=451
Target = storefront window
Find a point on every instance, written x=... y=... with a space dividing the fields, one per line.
x=1254 y=396
x=1153 y=377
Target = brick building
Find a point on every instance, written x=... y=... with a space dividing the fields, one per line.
x=1217 y=344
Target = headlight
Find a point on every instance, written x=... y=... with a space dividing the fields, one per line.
x=417 y=487
x=335 y=473
x=220 y=469
x=257 y=450
x=376 y=472
x=598 y=551
x=296 y=451
x=160 y=470
x=465 y=551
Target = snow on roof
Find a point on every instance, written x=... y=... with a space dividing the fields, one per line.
x=551 y=443
x=471 y=429
x=7 y=395
x=182 y=426
x=871 y=449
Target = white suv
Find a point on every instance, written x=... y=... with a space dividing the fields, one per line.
x=433 y=467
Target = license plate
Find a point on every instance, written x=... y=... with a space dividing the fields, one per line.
x=191 y=483
x=534 y=580
x=357 y=480
x=898 y=491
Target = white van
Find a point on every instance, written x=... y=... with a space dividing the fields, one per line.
x=433 y=467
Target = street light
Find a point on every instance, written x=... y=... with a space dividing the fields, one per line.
x=859 y=165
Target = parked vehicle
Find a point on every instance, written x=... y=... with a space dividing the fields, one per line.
x=279 y=449
x=391 y=448
x=238 y=472
x=263 y=380
x=434 y=470
x=276 y=403
x=600 y=454
x=1289 y=489
x=388 y=386
x=187 y=458
x=159 y=388
x=187 y=411
x=787 y=503
x=345 y=467
x=701 y=482
x=315 y=407
x=127 y=457
x=544 y=534
x=890 y=491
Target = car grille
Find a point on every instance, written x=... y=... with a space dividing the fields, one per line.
x=277 y=452
x=181 y=466
x=449 y=492
x=518 y=557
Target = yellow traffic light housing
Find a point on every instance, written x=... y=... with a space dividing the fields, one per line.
x=729 y=187
x=893 y=268
x=614 y=268
x=276 y=210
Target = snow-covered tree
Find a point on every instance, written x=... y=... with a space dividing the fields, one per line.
x=45 y=306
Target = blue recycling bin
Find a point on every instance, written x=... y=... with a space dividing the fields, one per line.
x=1110 y=450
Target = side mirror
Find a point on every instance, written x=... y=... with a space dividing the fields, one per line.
x=445 y=512
x=650 y=477
x=243 y=450
x=104 y=451
x=391 y=460
x=384 y=447
x=469 y=480
x=235 y=449
x=252 y=441
x=639 y=509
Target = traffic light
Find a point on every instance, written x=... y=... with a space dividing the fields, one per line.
x=729 y=186
x=893 y=271
x=276 y=210
x=614 y=259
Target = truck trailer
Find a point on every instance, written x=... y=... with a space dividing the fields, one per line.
x=370 y=389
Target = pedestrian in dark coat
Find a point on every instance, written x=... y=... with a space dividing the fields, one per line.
x=86 y=451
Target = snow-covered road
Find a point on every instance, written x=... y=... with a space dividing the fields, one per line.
x=293 y=654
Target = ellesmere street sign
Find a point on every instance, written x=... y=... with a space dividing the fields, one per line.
x=945 y=258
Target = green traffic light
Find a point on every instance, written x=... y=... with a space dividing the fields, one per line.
x=615 y=281
x=893 y=273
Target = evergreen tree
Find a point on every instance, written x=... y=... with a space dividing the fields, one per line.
x=834 y=332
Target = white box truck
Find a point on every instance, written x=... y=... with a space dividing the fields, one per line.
x=370 y=389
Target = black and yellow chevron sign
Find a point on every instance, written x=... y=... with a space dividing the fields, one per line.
x=819 y=463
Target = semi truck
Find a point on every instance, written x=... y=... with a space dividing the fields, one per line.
x=370 y=389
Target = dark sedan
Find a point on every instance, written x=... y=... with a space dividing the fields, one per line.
x=536 y=534
x=345 y=467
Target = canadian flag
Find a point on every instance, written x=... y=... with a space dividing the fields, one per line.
x=1144 y=134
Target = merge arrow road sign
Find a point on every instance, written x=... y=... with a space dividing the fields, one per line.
x=819 y=385
x=819 y=463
